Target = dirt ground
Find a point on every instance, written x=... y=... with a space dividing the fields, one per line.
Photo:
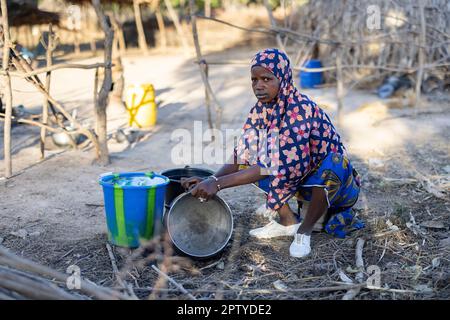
x=52 y=212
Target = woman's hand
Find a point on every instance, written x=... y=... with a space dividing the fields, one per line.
x=205 y=190
x=186 y=183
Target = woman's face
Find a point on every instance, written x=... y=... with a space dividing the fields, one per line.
x=265 y=85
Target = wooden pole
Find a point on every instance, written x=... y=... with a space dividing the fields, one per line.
x=91 y=27
x=422 y=43
x=173 y=15
x=96 y=87
x=93 y=46
x=207 y=97
x=274 y=24
x=31 y=73
x=119 y=39
x=76 y=41
x=161 y=27
x=140 y=27
x=340 y=85
x=103 y=95
x=7 y=92
x=208 y=8
x=50 y=46
x=201 y=61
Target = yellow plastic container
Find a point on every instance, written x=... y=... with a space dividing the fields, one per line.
x=141 y=106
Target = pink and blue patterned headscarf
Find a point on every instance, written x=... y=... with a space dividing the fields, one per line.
x=298 y=134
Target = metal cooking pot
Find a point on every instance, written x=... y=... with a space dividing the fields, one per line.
x=199 y=229
x=174 y=189
x=62 y=138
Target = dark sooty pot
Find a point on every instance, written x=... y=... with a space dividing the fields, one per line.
x=174 y=188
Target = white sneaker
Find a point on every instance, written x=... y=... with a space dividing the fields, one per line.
x=266 y=212
x=274 y=229
x=300 y=247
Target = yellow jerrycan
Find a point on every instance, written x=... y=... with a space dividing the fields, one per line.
x=141 y=106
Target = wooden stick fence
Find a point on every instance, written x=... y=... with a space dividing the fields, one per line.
x=25 y=71
x=343 y=43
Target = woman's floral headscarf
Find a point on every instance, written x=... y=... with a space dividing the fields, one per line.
x=288 y=136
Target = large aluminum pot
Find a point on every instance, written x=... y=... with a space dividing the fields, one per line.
x=199 y=229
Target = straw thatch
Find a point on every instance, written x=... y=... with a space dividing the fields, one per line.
x=22 y=13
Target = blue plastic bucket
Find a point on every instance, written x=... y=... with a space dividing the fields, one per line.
x=133 y=212
x=311 y=79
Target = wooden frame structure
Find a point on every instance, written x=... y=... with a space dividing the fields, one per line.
x=24 y=70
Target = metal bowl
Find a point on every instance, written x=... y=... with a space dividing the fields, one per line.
x=199 y=229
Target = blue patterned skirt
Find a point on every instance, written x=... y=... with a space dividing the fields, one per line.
x=342 y=185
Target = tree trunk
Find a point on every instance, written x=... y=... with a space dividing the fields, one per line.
x=422 y=43
x=208 y=8
x=103 y=95
x=121 y=37
x=176 y=22
x=140 y=27
x=161 y=27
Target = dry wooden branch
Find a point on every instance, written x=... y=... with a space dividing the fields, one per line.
x=121 y=282
x=50 y=46
x=422 y=43
x=161 y=27
x=31 y=286
x=176 y=22
x=176 y=284
x=300 y=35
x=11 y=260
x=232 y=288
x=331 y=68
x=208 y=88
x=352 y=293
x=24 y=67
x=319 y=289
x=32 y=73
x=207 y=97
x=428 y=185
x=140 y=27
x=7 y=90
x=273 y=24
x=38 y=124
x=272 y=30
x=118 y=34
x=340 y=85
x=103 y=95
